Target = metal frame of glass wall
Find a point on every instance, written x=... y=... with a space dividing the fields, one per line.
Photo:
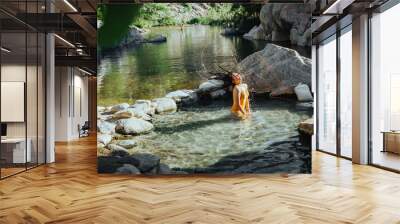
x=334 y=37
x=33 y=46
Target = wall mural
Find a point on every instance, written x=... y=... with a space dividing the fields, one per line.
x=201 y=88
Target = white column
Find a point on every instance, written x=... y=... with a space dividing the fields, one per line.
x=50 y=100
x=360 y=90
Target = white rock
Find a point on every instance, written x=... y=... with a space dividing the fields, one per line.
x=133 y=126
x=212 y=84
x=145 y=105
x=105 y=127
x=165 y=105
x=104 y=138
x=131 y=112
x=179 y=94
x=127 y=143
x=119 y=107
x=303 y=93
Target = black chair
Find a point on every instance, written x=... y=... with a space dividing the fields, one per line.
x=84 y=130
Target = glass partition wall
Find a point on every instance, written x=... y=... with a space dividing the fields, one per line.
x=385 y=89
x=22 y=77
x=334 y=99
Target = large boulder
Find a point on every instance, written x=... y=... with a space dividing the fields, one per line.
x=274 y=68
x=133 y=126
x=165 y=105
x=135 y=35
x=285 y=22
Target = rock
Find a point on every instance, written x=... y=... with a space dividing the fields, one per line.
x=182 y=94
x=119 y=107
x=100 y=109
x=104 y=138
x=131 y=112
x=128 y=169
x=286 y=22
x=164 y=169
x=256 y=33
x=303 y=93
x=110 y=164
x=305 y=106
x=165 y=105
x=147 y=162
x=135 y=35
x=133 y=126
x=117 y=150
x=210 y=85
x=307 y=126
x=230 y=31
x=218 y=94
x=146 y=106
x=157 y=39
x=105 y=127
x=127 y=143
x=283 y=91
x=273 y=68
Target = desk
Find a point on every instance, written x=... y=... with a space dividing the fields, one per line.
x=13 y=150
x=391 y=141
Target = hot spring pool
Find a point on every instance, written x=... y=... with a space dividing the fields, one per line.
x=199 y=137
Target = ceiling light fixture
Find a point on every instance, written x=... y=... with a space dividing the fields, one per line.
x=70 y=5
x=64 y=40
x=5 y=50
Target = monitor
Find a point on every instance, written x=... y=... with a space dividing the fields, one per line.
x=3 y=129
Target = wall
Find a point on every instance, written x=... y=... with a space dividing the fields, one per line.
x=71 y=102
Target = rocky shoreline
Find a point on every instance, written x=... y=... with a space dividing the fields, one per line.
x=119 y=124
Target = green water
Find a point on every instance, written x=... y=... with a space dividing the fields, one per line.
x=151 y=70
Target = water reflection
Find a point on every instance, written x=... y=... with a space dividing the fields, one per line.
x=151 y=70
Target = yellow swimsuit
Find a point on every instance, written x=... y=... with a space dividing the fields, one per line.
x=240 y=99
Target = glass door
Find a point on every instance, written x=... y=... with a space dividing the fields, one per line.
x=327 y=129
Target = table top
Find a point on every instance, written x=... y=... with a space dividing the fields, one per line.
x=391 y=132
x=13 y=140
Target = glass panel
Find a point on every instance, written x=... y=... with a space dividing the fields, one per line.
x=13 y=86
x=385 y=89
x=31 y=98
x=327 y=96
x=346 y=94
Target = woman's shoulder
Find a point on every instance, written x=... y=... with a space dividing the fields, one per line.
x=243 y=85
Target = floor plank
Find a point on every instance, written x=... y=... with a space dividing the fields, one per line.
x=71 y=191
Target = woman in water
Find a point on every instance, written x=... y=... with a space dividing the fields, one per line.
x=241 y=104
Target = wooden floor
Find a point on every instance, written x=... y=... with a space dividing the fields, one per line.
x=70 y=191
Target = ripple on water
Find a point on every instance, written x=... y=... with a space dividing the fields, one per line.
x=199 y=137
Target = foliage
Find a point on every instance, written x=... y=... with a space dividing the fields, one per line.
x=155 y=14
x=116 y=20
